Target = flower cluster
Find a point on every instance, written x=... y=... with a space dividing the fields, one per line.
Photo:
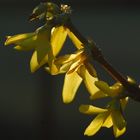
x=112 y=115
x=46 y=43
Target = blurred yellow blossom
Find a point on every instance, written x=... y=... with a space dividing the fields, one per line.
x=44 y=41
x=106 y=90
x=115 y=91
x=78 y=69
x=38 y=40
x=109 y=117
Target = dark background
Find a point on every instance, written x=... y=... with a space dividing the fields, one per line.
x=31 y=106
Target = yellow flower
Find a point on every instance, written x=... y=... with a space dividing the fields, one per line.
x=109 y=117
x=38 y=40
x=77 y=69
x=114 y=91
x=47 y=40
x=44 y=41
x=106 y=90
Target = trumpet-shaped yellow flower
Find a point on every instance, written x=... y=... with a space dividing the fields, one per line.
x=77 y=69
x=57 y=41
x=47 y=40
x=109 y=117
x=58 y=37
x=106 y=90
x=44 y=41
x=114 y=91
x=38 y=40
x=112 y=115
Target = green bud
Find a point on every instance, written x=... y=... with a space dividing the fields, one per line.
x=45 y=10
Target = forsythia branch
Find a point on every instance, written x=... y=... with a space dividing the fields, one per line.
x=133 y=89
x=46 y=43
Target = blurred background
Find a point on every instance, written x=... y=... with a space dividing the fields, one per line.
x=31 y=105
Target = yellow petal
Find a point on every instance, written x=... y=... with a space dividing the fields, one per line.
x=54 y=69
x=111 y=91
x=118 y=132
x=116 y=89
x=20 y=48
x=95 y=125
x=64 y=59
x=71 y=84
x=68 y=63
x=108 y=122
x=34 y=64
x=90 y=110
x=42 y=51
x=40 y=39
x=17 y=38
x=89 y=80
x=58 y=38
x=74 y=66
x=118 y=119
x=67 y=58
x=64 y=68
x=124 y=102
x=23 y=48
x=27 y=44
x=75 y=40
x=103 y=86
x=97 y=95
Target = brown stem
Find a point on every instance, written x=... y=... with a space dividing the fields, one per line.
x=133 y=90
